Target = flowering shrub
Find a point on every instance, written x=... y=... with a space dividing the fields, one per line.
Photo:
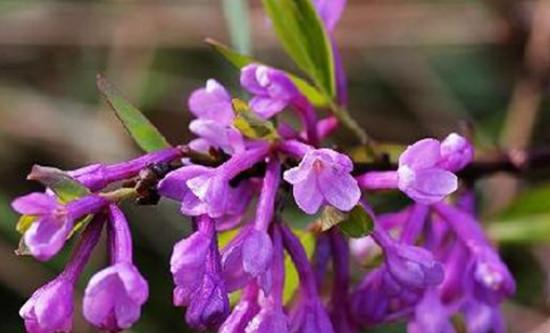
x=436 y=262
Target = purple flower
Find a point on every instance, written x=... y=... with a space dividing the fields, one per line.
x=187 y=265
x=212 y=106
x=419 y=175
x=456 y=152
x=114 y=295
x=323 y=176
x=54 y=221
x=273 y=90
x=369 y=303
x=247 y=257
x=270 y=319
x=176 y=186
x=197 y=274
x=309 y=315
x=214 y=133
x=412 y=267
x=430 y=315
x=482 y=318
x=50 y=308
x=492 y=281
x=330 y=11
x=212 y=102
x=203 y=190
x=244 y=311
x=209 y=306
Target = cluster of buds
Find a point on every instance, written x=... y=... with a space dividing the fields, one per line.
x=437 y=262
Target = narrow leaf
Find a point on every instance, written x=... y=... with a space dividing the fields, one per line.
x=238 y=60
x=236 y=14
x=358 y=223
x=145 y=134
x=250 y=124
x=305 y=39
x=235 y=58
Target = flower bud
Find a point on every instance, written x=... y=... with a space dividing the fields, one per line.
x=114 y=296
x=50 y=308
x=209 y=306
x=272 y=88
x=413 y=267
x=456 y=153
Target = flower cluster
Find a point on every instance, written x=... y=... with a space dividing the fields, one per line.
x=435 y=259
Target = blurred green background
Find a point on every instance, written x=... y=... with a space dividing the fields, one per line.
x=416 y=68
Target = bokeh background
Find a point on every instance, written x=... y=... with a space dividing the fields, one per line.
x=416 y=68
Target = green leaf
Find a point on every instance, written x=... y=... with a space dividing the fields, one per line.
x=235 y=58
x=291 y=275
x=236 y=14
x=305 y=39
x=63 y=185
x=358 y=223
x=138 y=126
x=250 y=124
x=238 y=60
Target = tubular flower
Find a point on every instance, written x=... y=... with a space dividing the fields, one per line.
x=53 y=220
x=272 y=89
x=214 y=124
x=422 y=173
x=114 y=295
x=50 y=308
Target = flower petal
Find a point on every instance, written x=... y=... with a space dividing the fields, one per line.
x=267 y=107
x=212 y=102
x=340 y=190
x=34 y=204
x=307 y=194
x=422 y=154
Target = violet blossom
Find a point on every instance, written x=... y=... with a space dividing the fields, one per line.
x=196 y=269
x=322 y=177
x=53 y=220
x=250 y=255
x=422 y=173
x=214 y=124
x=50 y=308
x=308 y=315
x=114 y=295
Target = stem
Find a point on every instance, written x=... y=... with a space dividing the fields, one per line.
x=301 y=262
x=120 y=238
x=364 y=139
x=266 y=203
x=120 y=194
x=83 y=250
